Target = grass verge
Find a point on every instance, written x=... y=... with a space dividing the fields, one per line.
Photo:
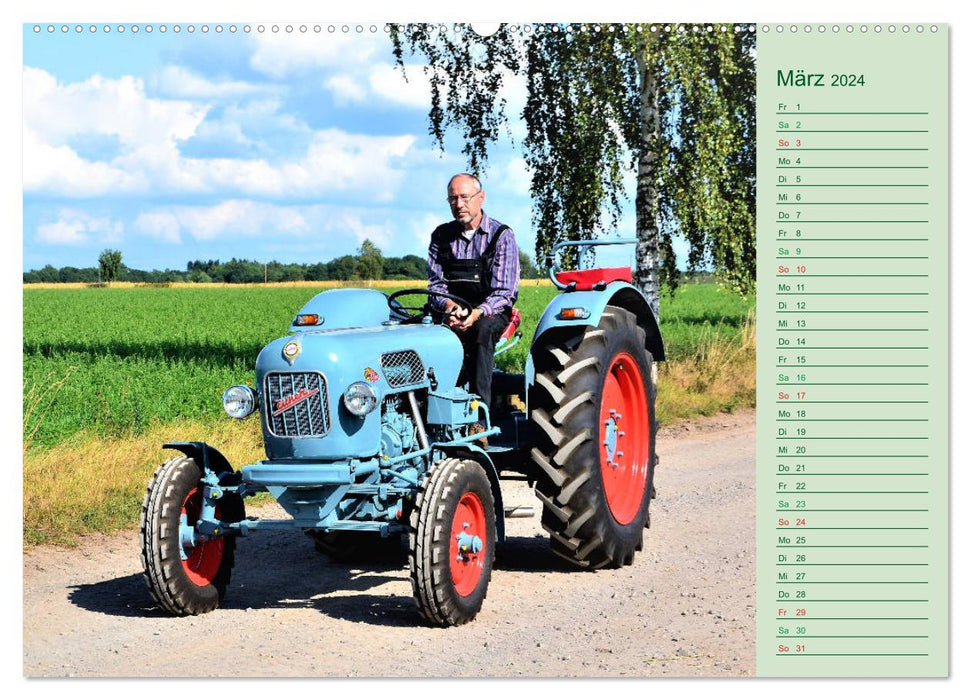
x=93 y=483
x=719 y=375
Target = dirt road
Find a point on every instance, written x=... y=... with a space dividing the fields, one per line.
x=685 y=608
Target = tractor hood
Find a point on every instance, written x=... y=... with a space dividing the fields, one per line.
x=301 y=380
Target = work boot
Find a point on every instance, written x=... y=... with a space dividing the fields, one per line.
x=475 y=429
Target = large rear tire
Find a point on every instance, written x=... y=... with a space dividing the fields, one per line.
x=452 y=542
x=593 y=408
x=184 y=579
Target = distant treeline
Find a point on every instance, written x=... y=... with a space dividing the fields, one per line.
x=347 y=267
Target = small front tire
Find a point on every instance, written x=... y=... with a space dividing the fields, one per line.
x=184 y=580
x=452 y=542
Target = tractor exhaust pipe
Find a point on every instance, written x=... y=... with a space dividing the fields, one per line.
x=422 y=435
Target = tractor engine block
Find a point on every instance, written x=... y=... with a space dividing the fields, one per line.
x=398 y=431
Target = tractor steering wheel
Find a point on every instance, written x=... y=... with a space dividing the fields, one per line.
x=415 y=313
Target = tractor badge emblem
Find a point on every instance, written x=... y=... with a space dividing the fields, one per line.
x=291 y=351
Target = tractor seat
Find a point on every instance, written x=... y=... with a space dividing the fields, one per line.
x=514 y=322
x=597 y=278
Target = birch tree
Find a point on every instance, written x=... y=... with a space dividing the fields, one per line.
x=673 y=105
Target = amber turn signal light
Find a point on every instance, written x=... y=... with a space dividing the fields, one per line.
x=308 y=320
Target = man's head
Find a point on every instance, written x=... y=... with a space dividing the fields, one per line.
x=465 y=197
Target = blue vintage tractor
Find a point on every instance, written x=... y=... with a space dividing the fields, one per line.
x=366 y=430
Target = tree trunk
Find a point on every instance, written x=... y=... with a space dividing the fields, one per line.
x=646 y=202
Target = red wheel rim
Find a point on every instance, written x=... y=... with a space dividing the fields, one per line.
x=469 y=522
x=202 y=564
x=625 y=437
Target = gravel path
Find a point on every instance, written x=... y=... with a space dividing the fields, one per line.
x=685 y=608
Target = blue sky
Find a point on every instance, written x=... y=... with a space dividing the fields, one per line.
x=288 y=146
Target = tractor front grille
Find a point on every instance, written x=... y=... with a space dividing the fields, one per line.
x=402 y=368
x=296 y=404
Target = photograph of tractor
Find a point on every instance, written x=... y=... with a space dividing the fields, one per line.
x=366 y=433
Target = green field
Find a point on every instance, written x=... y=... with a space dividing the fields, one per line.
x=116 y=361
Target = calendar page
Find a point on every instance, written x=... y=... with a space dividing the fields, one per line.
x=515 y=350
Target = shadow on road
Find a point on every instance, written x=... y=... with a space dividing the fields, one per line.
x=283 y=570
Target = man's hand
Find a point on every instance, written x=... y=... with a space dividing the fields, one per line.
x=454 y=313
x=469 y=321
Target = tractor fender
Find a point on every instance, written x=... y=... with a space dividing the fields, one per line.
x=615 y=293
x=206 y=456
x=482 y=457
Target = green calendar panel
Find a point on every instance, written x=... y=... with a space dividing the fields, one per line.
x=852 y=456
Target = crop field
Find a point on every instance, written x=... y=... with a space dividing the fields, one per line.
x=116 y=371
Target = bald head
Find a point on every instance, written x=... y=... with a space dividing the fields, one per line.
x=465 y=177
x=465 y=197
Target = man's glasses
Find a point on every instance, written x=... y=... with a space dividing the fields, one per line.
x=453 y=198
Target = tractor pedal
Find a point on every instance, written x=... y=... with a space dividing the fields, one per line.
x=519 y=511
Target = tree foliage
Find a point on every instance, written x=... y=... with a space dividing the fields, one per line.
x=527 y=270
x=675 y=106
x=109 y=264
x=370 y=261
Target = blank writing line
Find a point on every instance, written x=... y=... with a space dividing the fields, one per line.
x=817 y=204
x=852 y=474
x=877 y=150
x=807 y=583
x=857 y=492
x=851 y=636
x=850 y=510
x=804 y=654
x=851 y=167
x=857 y=618
x=843 y=563
x=801 y=239
x=851 y=131
x=909 y=114
x=853 y=437
x=854 y=294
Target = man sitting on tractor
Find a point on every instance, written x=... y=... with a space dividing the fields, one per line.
x=474 y=257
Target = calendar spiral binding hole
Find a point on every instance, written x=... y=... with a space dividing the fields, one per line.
x=513 y=28
x=850 y=28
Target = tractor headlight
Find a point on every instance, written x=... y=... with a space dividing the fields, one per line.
x=239 y=401
x=360 y=398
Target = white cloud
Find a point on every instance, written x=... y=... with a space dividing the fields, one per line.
x=161 y=225
x=104 y=106
x=515 y=177
x=150 y=132
x=338 y=230
x=386 y=81
x=177 y=81
x=230 y=219
x=60 y=169
x=346 y=89
x=421 y=230
x=77 y=228
x=281 y=54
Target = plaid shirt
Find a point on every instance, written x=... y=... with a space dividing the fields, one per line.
x=505 y=265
